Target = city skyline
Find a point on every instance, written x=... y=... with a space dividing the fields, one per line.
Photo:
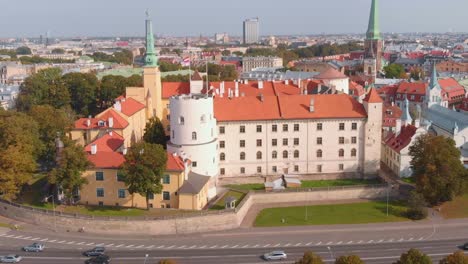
x=205 y=17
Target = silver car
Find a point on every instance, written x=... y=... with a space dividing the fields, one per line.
x=10 y=259
x=35 y=247
x=275 y=255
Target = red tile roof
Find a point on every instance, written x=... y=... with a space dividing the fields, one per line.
x=175 y=88
x=373 y=97
x=107 y=155
x=119 y=121
x=174 y=163
x=249 y=89
x=246 y=108
x=356 y=89
x=130 y=106
x=397 y=143
x=330 y=74
x=390 y=113
x=415 y=88
x=452 y=89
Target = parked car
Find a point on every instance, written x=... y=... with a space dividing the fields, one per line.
x=465 y=246
x=102 y=259
x=97 y=251
x=35 y=247
x=10 y=259
x=275 y=255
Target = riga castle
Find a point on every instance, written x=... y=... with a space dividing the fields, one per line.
x=231 y=130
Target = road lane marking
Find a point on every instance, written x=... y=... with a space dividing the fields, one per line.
x=319 y=243
x=380 y=241
x=52 y=241
x=339 y=243
x=349 y=242
x=370 y=241
x=120 y=245
x=100 y=245
x=267 y=245
x=329 y=243
x=109 y=245
x=161 y=246
x=310 y=243
x=215 y=246
x=60 y=242
x=204 y=246
x=148 y=247
x=410 y=239
x=18 y=237
x=89 y=244
x=194 y=246
x=140 y=246
x=36 y=238
x=277 y=245
x=287 y=245
x=421 y=238
x=245 y=246
x=81 y=243
x=27 y=237
x=181 y=247
x=10 y=236
x=391 y=240
x=71 y=242
x=298 y=244
x=45 y=239
x=256 y=246
x=235 y=246
x=360 y=242
x=173 y=246
x=129 y=246
x=401 y=239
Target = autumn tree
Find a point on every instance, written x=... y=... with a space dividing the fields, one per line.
x=154 y=132
x=417 y=209
x=19 y=149
x=352 y=259
x=394 y=71
x=71 y=164
x=414 y=256
x=167 y=261
x=417 y=73
x=142 y=171
x=458 y=257
x=310 y=258
x=439 y=174
x=83 y=88
x=44 y=87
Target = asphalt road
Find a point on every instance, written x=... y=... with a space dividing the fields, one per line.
x=370 y=253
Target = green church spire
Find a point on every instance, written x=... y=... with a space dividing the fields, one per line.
x=373 y=30
x=151 y=60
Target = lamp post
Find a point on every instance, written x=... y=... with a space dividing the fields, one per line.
x=53 y=210
x=146 y=257
x=388 y=190
x=331 y=253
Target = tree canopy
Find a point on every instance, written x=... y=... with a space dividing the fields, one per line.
x=120 y=57
x=154 y=132
x=414 y=256
x=310 y=258
x=440 y=175
x=352 y=259
x=458 y=257
x=143 y=169
x=394 y=71
x=23 y=50
x=83 y=89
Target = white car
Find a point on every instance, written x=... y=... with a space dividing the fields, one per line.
x=275 y=255
x=35 y=247
x=10 y=259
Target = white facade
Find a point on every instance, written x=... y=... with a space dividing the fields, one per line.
x=251 y=31
x=8 y=95
x=194 y=134
x=341 y=85
x=250 y=63
x=296 y=151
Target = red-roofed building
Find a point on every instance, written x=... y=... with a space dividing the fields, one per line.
x=395 y=149
x=452 y=91
x=357 y=91
x=390 y=114
x=463 y=107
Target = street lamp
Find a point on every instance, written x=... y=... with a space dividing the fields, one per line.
x=331 y=253
x=146 y=257
x=53 y=209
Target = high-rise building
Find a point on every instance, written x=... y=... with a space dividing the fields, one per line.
x=251 y=31
x=373 y=45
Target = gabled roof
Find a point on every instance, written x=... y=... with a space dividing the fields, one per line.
x=373 y=97
x=445 y=118
x=390 y=113
x=330 y=74
x=174 y=163
x=175 y=88
x=119 y=121
x=356 y=89
x=452 y=88
x=194 y=184
x=102 y=121
x=196 y=76
x=107 y=155
x=400 y=141
x=130 y=106
x=413 y=88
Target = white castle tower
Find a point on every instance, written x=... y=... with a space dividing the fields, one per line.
x=194 y=134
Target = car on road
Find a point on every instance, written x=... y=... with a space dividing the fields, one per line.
x=97 y=251
x=275 y=255
x=35 y=247
x=10 y=259
x=465 y=246
x=102 y=259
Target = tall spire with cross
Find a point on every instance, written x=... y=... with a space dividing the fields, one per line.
x=374 y=44
x=373 y=30
x=151 y=60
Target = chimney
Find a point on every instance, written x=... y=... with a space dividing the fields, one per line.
x=398 y=126
x=261 y=98
x=88 y=122
x=110 y=133
x=260 y=84
x=93 y=149
x=246 y=81
x=286 y=82
x=237 y=85
x=124 y=151
x=312 y=105
x=110 y=122
x=417 y=123
x=118 y=106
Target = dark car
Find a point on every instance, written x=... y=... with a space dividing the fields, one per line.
x=465 y=246
x=97 y=251
x=102 y=259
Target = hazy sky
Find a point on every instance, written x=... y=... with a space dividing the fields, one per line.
x=20 y=18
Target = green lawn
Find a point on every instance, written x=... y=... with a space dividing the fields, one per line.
x=338 y=182
x=409 y=180
x=356 y=213
x=103 y=211
x=458 y=208
x=247 y=187
x=220 y=204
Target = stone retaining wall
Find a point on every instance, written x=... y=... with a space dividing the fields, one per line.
x=212 y=221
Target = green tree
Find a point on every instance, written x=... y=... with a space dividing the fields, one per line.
x=414 y=256
x=439 y=174
x=226 y=53
x=352 y=259
x=238 y=53
x=310 y=258
x=417 y=209
x=19 y=149
x=44 y=87
x=71 y=164
x=394 y=71
x=143 y=169
x=417 y=74
x=23 y=51
x=456 y=258
x=154 y=132
x=175 y=78
x=83 y=88
x=112 y=86
x=58 y=51
x=167 y=67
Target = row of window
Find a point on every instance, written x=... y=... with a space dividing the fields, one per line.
x=275 y=169
x=285 y=128
x=274 y=154
x=166 y=179
x=182 y=119
x=122 y=193
x=274 y=142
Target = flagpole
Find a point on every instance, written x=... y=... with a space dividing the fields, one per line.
x=190 y=65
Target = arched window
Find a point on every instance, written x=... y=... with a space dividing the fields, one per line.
x=242 y=155
x=259 y=155
x=181 y=120
x=203 y=119
x=285 y=154
x=319 y=153
x=353 y=152
x=194 y=135
x=222 y=156
x=274 y=155
x=341 y=153
x=296 y=154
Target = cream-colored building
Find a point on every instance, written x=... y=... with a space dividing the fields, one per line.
x=250 y=63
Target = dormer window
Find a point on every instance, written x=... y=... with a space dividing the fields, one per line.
x=101 y=123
